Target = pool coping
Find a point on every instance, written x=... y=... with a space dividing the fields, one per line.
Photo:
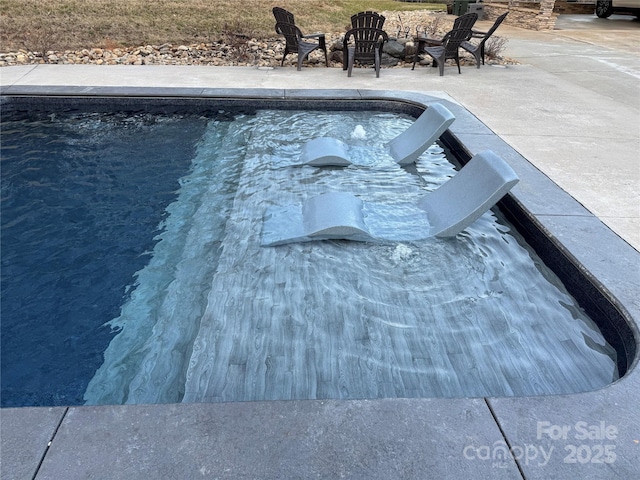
x=421 y=437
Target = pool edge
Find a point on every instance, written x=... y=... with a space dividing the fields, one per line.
x=514 y=420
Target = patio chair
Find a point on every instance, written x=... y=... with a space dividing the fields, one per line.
x=404 y=148
x=477 y=50
x=282 y=15
x=444 y=212
x=449 y=48
x=294 y=39
x=368 y=19
x=467 y=20
x=364 y=41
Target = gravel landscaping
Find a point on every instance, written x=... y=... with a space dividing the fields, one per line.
x=237 y=50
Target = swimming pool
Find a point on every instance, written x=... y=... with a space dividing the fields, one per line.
x=318 y=342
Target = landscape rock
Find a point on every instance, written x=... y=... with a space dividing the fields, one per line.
x=243 y=51
x=394 y=48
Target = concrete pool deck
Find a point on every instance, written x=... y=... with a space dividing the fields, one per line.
x=572 y=109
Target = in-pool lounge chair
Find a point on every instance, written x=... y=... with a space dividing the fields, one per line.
x=404 y=149
x=446 y=211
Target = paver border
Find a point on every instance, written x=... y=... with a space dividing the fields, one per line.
x=578 y=236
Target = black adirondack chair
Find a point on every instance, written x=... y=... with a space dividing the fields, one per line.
x=463 y=21
x=295 y=40
x=364 y=41
x=368 y=19
x=477 y=50
x=449 y=48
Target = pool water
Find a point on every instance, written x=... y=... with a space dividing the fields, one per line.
x=132 y=272
x=82 y=200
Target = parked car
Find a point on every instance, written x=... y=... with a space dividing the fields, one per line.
x=605 y=8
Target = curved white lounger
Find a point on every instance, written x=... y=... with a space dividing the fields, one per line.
x=333 y=215
x=325 y=151
x=477 y=187
x=404 y=149
x=449 y=209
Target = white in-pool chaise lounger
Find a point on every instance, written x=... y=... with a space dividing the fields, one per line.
x=445 y=212
x=404 y=149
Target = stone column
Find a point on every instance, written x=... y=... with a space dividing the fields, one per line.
x=546 y=17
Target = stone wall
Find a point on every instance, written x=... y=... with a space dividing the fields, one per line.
x=529 y=15
x=561 y=6
x=538 y=15
x=586 y=7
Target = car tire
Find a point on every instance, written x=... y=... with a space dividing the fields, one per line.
x=604 y=8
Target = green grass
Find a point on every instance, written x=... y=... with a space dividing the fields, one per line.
x=41 y=25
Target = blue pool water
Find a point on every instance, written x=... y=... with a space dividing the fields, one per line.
x=82 y=200
x=132 y=272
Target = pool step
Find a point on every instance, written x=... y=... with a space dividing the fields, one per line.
x=146 y=361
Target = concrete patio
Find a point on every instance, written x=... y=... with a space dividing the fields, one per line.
x=571 y=108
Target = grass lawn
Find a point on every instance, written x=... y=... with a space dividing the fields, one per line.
x=41 y=25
